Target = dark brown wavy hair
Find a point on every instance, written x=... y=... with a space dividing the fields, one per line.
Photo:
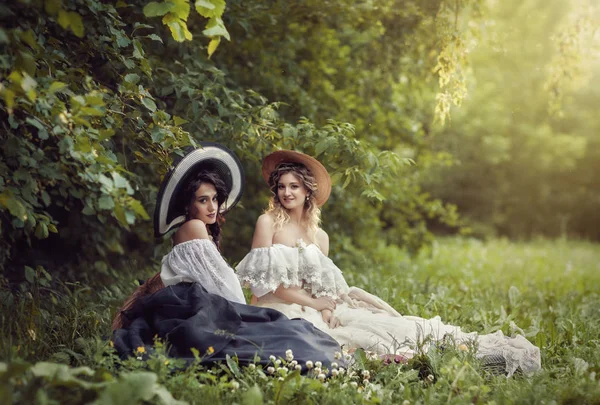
x=189 y=195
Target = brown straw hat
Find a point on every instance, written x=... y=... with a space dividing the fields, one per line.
x=271 y=161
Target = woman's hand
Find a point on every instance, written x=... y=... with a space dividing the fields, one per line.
x=331 y=320
x=323 y=303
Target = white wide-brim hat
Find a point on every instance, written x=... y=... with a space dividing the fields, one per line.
x=170 y=207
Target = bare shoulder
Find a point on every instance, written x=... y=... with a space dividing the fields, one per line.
x=323 y=240
x=322 y=236
x=192 y=229
x=265 y=220
x=263 y=232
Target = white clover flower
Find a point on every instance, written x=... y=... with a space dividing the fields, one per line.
x=335 y=372
x=365 y=382
x=272 y=358
x=342 y=370
x=406 y=402
x=277 y=362
x=347 y=357
x=293 y=363
x=321 y=377
x=366 y=373
x=337 y=355
x=139 y=357
x=235 y=385
x=309 y=364
x=298 y=367
x=317 y=370
x=353 y=384
x=270 y=370
x=344 y=385
x=334 y=365
x=430 y=377
x=318 y=364
x=289 y=355
x=281 y=379
x=252 y=366
x=283 y=370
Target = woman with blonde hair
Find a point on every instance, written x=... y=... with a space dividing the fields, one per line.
x=288 y=270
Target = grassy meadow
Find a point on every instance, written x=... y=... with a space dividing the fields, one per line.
x=55 y=350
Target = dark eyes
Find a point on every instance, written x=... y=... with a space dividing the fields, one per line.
x=204 y=199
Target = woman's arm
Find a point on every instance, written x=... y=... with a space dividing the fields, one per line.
x=298 y=296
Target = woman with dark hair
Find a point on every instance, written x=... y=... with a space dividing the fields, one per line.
x=288 y=270
x=196 y=302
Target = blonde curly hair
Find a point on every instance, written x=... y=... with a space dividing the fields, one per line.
x=311 y=215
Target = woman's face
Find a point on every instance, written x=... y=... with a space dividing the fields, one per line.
x=204 y=206
x=291 y=191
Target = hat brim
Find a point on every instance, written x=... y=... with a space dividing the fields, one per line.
x=271 y=161
x=170 y=207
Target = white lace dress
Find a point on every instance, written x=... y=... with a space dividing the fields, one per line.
x=199 y=261
x=366 y=321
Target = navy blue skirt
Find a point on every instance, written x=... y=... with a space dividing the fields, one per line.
x=186 y=316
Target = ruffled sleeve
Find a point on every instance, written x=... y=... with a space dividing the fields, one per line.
x=199 y=261
x=265 y=269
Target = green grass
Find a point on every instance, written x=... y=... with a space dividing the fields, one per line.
x=548 y=290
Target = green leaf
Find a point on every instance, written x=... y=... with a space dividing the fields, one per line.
x=76 y=24
x=149 y=104
x=52 y=7
x=14 y=206
x=216 y=28
x=119 y=213
x=138 y=51
x=132 y=78
x=46 y=198
x=105 y=134
x=120 y=181
x=154 y=9
x=179 y=121
x=212 y=46
x=72 y=20
x=41 y=231
x=179 y=31
x=63 y=19
x=139 y=209
x=61 y=374
x=57 y=87
x=233 y=366
x=155 y=37
x=210 y=8
x=29 y=274
x=181 y=8
x=253 y=396
x=106 y=202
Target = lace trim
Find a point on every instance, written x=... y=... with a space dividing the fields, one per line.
x=265 y=269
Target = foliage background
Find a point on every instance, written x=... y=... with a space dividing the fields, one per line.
x=421 y=110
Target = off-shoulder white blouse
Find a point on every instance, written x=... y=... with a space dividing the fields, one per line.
x=265 y=269
x=199 y=261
